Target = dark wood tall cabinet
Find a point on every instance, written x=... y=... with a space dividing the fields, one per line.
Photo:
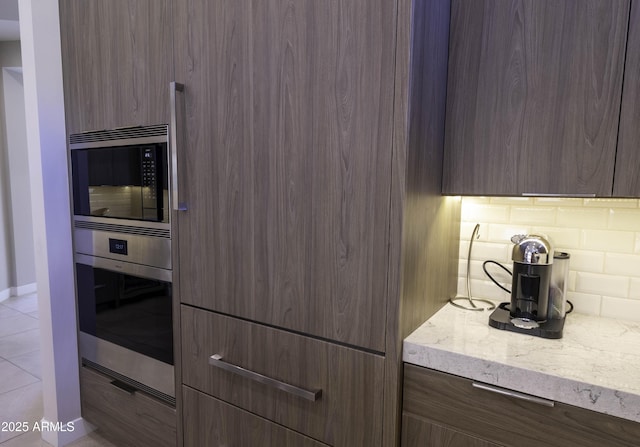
x=315 y=237
x=117 y=62
x=286 y=162
x=534 y=96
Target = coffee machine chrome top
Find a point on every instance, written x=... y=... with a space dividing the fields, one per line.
x=535 y=298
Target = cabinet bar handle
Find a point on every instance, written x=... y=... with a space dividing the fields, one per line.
x=216 y=360
x=173 y=134
x=514 y=394
x=538 y=194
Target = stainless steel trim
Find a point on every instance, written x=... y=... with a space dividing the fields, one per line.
x=514 y=394
x=217 y=361
x=144 y=250
x=124 y=136
x=542 y=194
x=111 y=227
x=123 y=222
x=142 y=271
x=173 y=143
x=141 y=368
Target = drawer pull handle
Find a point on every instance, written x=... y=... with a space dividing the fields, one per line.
x=514 y=394
x=124 y=387
x=543 y=194
x=216 y=360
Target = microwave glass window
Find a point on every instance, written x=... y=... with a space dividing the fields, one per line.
x=129 y=311
x=128 y=182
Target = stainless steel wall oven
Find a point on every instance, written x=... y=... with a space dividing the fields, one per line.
x=122 y=243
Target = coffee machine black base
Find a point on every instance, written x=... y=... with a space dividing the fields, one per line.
x=501 y=319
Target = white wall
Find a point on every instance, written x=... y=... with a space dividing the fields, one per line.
x=48 y=169
x=24 y=276
x=6 y=255
x=601 y=235
x=10 y=56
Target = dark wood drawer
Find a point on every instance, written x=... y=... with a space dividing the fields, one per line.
x=211 y=422
x=347 y=413
x=453 y=402
x=418 y=432
x=128 y=419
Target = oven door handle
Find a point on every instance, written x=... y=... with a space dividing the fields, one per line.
x=128 y=268
x=175 y=87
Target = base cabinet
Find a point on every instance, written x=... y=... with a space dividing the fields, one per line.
x=324 y=391
x=126 y=419
x=418 y=432
x=442 y=410
x=213 y=422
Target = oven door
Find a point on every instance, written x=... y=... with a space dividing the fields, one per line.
x=125 y=320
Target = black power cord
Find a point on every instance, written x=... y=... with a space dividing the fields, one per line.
x=484 y=267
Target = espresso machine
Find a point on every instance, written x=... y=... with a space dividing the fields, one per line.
x=538 y=289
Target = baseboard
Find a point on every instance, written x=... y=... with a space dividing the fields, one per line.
x=24 y=290
x=59 y=434
x=27 y=289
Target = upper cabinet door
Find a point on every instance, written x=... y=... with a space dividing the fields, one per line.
x=117 y=62
x=286 y=163
x=627 y=178
x=534 y=96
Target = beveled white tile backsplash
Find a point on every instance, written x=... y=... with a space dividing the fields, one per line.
x=601 y=235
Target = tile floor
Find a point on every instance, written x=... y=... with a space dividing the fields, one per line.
x=20 y=377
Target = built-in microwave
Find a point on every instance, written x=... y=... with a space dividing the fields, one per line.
x=121 y=174
x=121 y=200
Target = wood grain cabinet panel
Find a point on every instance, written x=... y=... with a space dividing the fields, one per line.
x=286 y=162
x=117 y=62
x=452 y=402
x=348 y=411
x=216 y=423
x=627 y=177
x=534 y=96
x=129 y=420
x=418 y=432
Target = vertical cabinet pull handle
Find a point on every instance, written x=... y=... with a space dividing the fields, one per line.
x=514 y=394
x=216 y=360
x=174 y=87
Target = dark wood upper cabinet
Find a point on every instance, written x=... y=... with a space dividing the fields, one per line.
x=117 y=62
x=627 y=178
x=534 y=96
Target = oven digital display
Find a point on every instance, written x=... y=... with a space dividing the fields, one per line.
x=118 y=246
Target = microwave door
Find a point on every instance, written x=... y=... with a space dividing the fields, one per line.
x=121 y=179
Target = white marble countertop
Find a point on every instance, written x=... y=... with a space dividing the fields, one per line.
x=596 y=365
